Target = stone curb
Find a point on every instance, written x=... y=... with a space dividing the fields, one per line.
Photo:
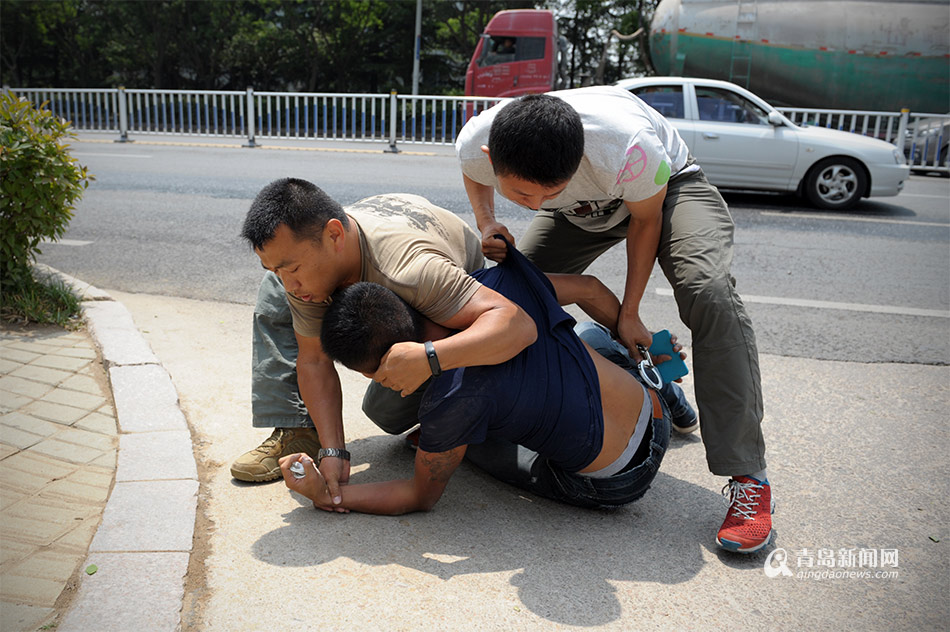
x=143 y=545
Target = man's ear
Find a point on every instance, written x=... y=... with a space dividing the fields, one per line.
x=336 y=233
x=487 y=153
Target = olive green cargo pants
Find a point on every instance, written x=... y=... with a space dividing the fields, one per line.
x=695 y=254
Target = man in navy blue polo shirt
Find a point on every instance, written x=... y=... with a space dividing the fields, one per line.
x=558 y=419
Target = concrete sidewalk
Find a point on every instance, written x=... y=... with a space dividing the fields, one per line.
x=86 y=483
x=857 y=459
x=58 y=443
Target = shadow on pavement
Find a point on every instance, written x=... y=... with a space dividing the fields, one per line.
x=564 y=558
x=791 y=204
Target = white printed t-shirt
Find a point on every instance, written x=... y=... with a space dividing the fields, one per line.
x=630 y=153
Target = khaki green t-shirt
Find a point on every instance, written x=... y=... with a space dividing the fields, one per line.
x=421 y=252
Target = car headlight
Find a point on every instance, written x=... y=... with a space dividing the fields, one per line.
x=898 y=157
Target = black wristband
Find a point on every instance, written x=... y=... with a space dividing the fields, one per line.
x=434 y=365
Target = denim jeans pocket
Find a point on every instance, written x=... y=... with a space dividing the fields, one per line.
x=569 y=487
x=601 y=493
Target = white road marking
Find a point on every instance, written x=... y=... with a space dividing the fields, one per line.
x=852 y=307
x=845 y=218
x=66 y=242
x=87 y=154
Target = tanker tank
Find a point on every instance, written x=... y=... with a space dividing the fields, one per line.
x=868 y=55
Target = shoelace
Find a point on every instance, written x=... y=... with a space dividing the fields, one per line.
x=270 y=441
x=742 y=498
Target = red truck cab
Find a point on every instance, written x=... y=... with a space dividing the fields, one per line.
x=518 y=53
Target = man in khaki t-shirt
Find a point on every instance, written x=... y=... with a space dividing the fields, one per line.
x=421 y=252
x=315 y=247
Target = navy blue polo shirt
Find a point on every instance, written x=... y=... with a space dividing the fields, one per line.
x=547 y=398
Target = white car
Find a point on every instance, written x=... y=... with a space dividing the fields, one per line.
x=742 y=142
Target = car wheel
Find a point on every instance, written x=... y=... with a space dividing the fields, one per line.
x=836 y=183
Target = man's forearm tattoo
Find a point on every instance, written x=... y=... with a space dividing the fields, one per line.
x=440 y=465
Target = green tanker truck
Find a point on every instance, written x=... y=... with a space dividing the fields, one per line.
x=881 y=55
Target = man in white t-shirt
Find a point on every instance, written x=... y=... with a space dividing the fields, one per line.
x=599 y=166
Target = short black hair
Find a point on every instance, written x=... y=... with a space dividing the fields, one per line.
x=363 y=321
x=303 y=206
x=538 y=138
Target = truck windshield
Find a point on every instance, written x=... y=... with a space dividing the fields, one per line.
x=503 y=49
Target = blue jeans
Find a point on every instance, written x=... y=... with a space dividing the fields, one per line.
x=526 y=469
x=598 y=337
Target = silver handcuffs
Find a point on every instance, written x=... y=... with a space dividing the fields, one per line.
x=649 y=372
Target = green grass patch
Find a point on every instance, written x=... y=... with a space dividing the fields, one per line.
x=49 y=301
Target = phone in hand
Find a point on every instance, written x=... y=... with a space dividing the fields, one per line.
x=674 y=368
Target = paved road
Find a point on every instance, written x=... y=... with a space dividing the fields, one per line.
x=164 y=219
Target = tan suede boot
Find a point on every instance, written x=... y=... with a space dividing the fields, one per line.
x=260 y=464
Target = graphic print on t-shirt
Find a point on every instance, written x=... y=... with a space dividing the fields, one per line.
x=635 y=165
x=392 y=206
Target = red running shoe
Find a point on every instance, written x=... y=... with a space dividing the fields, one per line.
x=748 y=525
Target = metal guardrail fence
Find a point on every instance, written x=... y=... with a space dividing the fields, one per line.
x=928 y=142
x=923 y=137
x=392 y=118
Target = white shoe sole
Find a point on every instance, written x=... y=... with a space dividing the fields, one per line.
x=686 y=429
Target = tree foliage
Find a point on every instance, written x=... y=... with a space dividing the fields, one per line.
x=309 y=45
x=40 y=184
x=587 y=25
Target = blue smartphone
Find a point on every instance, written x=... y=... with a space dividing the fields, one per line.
x=672 y=369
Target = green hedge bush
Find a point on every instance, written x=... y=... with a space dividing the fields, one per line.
x=40 y=184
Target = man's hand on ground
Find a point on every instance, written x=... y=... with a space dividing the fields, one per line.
x=312 y=485
x=335 y=472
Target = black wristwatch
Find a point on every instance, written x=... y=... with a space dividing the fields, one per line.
x=334 y=452
x=434 y=365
